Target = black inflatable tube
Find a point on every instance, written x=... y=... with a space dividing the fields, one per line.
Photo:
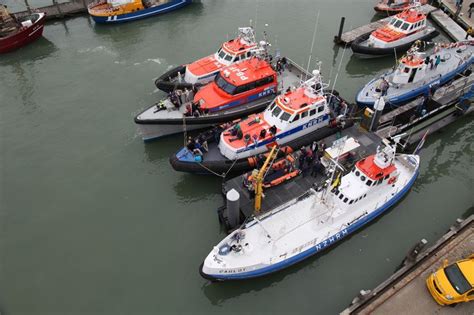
x=372 y=51
x=163 y=82
x=243 y=165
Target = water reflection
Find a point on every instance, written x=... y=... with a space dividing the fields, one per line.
x=357 y=67
x=191 y=188
x=37 y=50
x=448 y=147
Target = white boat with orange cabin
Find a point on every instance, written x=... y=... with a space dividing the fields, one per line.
x=396 y=36
x=205 y=69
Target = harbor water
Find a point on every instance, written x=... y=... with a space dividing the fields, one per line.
x=94 y=221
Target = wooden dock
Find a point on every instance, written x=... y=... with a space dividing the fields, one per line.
x=59 y=10
x=453 y=29
x=350 y=36
x=405 y=291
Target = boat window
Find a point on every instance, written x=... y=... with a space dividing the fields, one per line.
x=406 y=70
x=272 y=106
x=379 y=181
x=345 y=200
x=296 y=117
x=369 y=182
x=264 y=81
x=351 y=202
x=224 y=85
x=242 y=56
x=386 y=176
x=285 y=116
x=312 y=112
x=405 y=26
x=304 y=114
x=228 y=57
x=241 y=89
x=248 y=54
x=341 y=196
x=362 y=178
x=411 y=27
x=276 y=111
x=221 y=54
x=357 y=173
x=392 y=21
x=398 y=23
x=320 y=109
x=365 y=195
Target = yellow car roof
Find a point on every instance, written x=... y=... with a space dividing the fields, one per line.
x=467 y=268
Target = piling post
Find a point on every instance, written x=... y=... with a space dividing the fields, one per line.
x=337 y=38
x=233 y=208
x=28 y=6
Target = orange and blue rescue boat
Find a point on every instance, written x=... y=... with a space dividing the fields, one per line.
x=119 y=11
x=204 y=70
x=238 y=90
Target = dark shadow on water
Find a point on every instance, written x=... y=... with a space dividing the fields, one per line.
x=191 y=188
x=357 y=67
x=160 y=149
x=37 y=50
x=219 y=292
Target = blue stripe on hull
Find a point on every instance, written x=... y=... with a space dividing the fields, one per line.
x=324 y=244
x=173 y=5
x=404 y=98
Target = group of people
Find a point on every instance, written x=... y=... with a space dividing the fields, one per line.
x=433 y=62
x=309 y=160
x=197 y=146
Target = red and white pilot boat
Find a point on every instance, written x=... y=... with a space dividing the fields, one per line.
x=238 y=90
x=205 y=69
x=296 y=118
x=315 y=221
x=395 y=6
x=396 y=36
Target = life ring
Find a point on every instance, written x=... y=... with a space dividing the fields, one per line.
x=392 y=180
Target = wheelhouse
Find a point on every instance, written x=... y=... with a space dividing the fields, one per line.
x=238 y=84
x=401 y=25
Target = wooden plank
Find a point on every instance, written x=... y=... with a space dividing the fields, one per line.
x=58 y=11
x=350 y=36
x=453 y=29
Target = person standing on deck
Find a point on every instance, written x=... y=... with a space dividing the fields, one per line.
x=471 y=8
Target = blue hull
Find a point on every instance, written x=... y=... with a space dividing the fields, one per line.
x=170 y=6
x=321 y=246
x=422 y=90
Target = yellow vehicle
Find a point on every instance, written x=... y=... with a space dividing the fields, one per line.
x=453 y=283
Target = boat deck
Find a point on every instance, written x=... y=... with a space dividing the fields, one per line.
x=296 y=187
x=405 y=291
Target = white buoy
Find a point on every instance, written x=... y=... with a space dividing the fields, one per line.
x=233 y=207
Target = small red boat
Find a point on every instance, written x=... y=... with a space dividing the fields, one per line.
x=395 y=6
x=15 y=33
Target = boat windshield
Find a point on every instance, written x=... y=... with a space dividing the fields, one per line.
x=222 y=55
x=457 y=279
x=224 y=85
x=397 y=23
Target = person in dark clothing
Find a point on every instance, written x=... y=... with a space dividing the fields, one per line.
x=273 y=130
x=471 y=8
x=190 y=145
x=263 y=133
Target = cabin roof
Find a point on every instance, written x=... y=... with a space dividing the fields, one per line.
x=411 y=16
x=297 y=101
x=247 y=71
x=371 y=170
x=234 y=46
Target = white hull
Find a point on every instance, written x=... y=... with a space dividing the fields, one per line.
x=301 y=228
x=151 y=132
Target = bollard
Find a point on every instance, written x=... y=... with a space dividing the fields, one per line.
x=337 y=39
x=233 y=208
